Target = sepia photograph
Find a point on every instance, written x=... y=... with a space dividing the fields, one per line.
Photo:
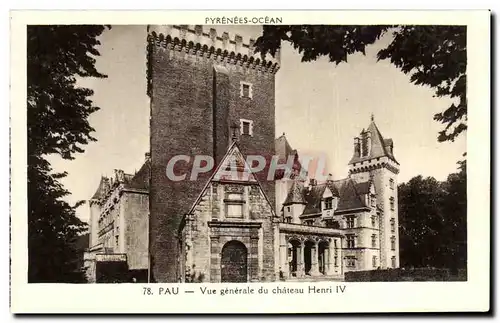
x=243 y=150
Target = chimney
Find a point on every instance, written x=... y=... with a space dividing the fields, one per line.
x=368 y=142
x=312 y=182
x=357 y=148
x=329 y=178
x=147 y=157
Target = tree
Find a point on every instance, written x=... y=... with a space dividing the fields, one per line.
x=435 y=56
x=421 y=222
x=57 y=118
x=433 y=221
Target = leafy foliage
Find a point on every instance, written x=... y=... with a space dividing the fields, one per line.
x=57 y=117
x=433 y=221
x=434 y=56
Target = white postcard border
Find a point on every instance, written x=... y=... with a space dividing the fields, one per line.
x=472 y=295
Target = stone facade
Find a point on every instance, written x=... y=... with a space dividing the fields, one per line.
x=363 y=206
x=201 y=84
x=119 y=224
x=212 y=96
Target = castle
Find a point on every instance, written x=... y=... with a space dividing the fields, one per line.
x=213 y=96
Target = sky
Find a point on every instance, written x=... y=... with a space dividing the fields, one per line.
x=320 y=107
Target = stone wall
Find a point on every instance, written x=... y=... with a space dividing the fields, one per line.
x=135 y=218
x=195 y=97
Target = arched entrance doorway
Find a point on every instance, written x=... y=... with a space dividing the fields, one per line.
x=234 y=262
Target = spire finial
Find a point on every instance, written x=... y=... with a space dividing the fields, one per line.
x=373 y=117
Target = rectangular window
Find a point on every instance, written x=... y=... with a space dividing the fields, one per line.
x=328 y=203
x=393 y=243
x=335 y=261
x=391 y=183
x=246 y=90
x=235 y=210
x=350 y=261
x=309 y=222
x=350 y=241
x=393 y=225
x=372 y=200
x=374 y=224
x=332 y=224
x=234 y=205
x=288 y=209
x=374 y=261
x=374 y=240
x=392 y=203
x=393 y=262
x=350 y=222
x=246 y=127
x=288 y=220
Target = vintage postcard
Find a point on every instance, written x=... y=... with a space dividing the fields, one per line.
x=250 y=162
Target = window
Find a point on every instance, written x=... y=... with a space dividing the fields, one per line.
x=246 y=90
x=350 y=241
x=246 y=127
x=372 y=200
x=374 y=224
x=393 y=243
x=288 y=209
x=374 y=240
x=374 y=261
x=288 y=220
x=393 y=225
x=393 y=262
x=335 y=263
x=392 y=203
x=328 y=203
x=309 y=222
x=350 y=261
x=391 y=183
x=332 y=224
x=350 y=222
x=234 y=205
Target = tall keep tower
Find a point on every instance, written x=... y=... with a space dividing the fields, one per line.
x=205 y=89
x=374 y=159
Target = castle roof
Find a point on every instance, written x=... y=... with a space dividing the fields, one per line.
x=349 y=192
x=283 y=150
x=380 y=147
x=296 y=194
x=138 y=181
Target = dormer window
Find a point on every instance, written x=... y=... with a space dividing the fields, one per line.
x=246 y=90
x=328 y=203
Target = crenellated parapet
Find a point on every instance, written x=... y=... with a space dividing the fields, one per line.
x=195 y=42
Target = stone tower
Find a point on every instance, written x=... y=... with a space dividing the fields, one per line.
x=374 y=159
x=205 y=89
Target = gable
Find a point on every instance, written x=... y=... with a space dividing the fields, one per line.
x=234 y=168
